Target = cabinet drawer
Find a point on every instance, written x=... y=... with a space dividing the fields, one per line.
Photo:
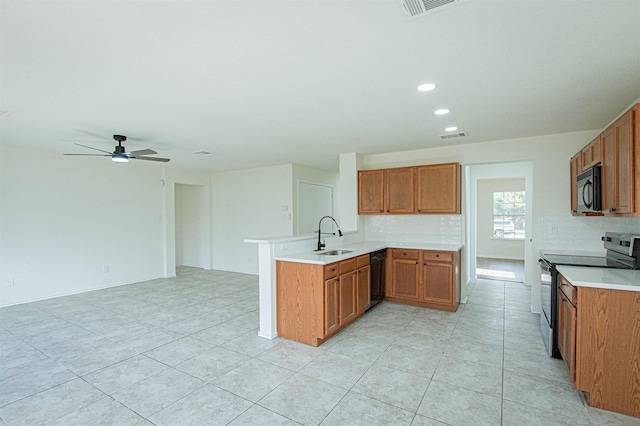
x=362 y=261
x=405 y=254
x=437 y=256
x=347 y=266
x=331 y=271
x=569 y=291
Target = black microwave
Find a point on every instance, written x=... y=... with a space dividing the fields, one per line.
x=589 y=190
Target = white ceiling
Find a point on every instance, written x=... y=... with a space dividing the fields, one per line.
x=260 y=83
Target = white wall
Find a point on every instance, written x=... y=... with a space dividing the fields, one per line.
x=64 y=219
x=248 y=204
x=487 y=246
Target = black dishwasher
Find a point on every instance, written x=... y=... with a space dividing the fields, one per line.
x=377 y=261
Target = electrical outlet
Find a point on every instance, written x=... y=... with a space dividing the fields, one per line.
x=554 y=230
x=12 y=282
x=105 y=269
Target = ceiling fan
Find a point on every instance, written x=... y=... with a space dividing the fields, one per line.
x=120 y=155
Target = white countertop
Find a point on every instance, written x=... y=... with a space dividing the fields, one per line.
x=358 y=249
x=615 y=279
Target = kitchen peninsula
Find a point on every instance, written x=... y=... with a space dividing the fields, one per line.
x=320 y=293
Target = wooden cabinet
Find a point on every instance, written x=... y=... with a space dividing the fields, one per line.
x=363 y=291
x=387 y=191
x=404 y=274
x=576 y=168
x=314 y=302
x=438 y=188
x=599 y=341
x=399 y=190
x=438 y=277
x=423 y=278
x=348 y=287
x=608 y=349
x=431 y=189
x=617 y=149
x=371 y=186
x=591 y=154
x=567 y=316
x=617 y=173
x=331 y=313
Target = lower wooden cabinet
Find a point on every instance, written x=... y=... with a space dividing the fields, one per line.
x=566 y=330
x=347 y=300
x=314 y=302
x=404 y=273
x=423 y=278
x=599 y=341
x=363 y=291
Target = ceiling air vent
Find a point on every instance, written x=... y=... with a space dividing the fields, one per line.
x=453 y=135
x=417 y=8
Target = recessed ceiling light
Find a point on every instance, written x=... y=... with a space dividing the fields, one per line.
x=202 y=153
x=427 y=87
x=441 y=111
x=451 y=129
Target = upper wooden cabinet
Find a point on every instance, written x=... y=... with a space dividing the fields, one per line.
x=617 y=176
x=371 y=186
x=399 y=190
x=591 y=154
x=438 y=189
x=387 y=191
x=428 y=189
x=617 y=149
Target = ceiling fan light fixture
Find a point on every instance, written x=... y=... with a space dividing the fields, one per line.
x=119 y=158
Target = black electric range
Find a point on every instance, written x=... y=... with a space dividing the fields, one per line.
x=622 y=252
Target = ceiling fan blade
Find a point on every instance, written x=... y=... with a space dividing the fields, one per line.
x=90 y=147
x=161 y=160
x=92 y=155
x=143 y=152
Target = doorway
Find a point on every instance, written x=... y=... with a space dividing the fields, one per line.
x=189 y=225
x=315 y=200
x=475 y=224
x=500 y=228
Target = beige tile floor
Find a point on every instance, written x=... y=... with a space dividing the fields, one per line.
x=185 y=351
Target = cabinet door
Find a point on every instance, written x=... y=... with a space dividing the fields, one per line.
x=371 y=192
x=347 y=299
x=363 y=293
x=405 y=279
x=331 y=309
x=438 y=282
x=590 y=155
x=617 y=164
x=438 y=188
x=399 y=190
x=574 y=172
x=567 y=333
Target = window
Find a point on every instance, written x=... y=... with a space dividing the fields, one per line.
x=508 y=214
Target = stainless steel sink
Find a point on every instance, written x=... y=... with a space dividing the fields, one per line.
x=335 y=252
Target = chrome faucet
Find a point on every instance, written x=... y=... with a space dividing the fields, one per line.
x=321 y=245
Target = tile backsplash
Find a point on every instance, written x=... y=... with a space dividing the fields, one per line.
x=569 y=233
x=443 y=229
